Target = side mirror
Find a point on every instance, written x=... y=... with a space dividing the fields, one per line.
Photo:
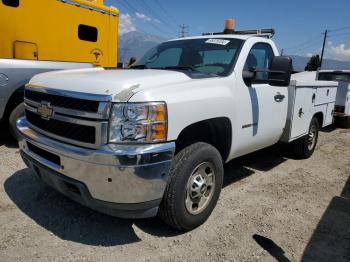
x=248 y=75
x=280 y=71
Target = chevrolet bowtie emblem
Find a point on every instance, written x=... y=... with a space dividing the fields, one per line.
x=45 y=111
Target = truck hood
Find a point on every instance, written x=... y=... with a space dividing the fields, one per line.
x=121 y=84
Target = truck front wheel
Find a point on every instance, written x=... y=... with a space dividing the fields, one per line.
x=305 y=146
x=196 y=178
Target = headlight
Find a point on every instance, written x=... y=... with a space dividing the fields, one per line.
x=138 y=122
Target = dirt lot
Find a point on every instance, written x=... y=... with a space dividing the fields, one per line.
x=271 y=207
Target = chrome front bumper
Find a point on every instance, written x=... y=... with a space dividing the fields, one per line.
x=120 y=176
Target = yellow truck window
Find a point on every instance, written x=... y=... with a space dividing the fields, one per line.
x=12 y=3
x=87 y=33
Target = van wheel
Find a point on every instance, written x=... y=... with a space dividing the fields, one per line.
x=16 y=113
x=196 y=178
x=304 y=147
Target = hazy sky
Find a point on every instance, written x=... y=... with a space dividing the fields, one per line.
x=299 y=24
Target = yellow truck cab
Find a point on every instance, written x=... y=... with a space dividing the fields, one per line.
x=43 y=35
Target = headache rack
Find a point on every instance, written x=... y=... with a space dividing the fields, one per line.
x=268 y=33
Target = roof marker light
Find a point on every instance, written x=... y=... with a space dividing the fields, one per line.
x=229 y=24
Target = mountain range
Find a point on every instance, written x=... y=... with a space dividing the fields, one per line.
x=136 y=44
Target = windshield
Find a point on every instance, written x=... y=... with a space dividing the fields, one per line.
x=214 y=56
x=334 y=76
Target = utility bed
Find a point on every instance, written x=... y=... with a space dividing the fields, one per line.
x=307 y=98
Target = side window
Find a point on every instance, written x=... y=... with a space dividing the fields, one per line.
x=260 y=57
x=87 y=33
x=12 y=3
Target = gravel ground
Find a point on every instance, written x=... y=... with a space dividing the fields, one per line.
x=271 y=208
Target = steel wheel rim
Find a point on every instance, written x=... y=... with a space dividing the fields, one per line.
x=311 y=139
x=200 y=188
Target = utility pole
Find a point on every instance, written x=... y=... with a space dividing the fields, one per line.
x=323 y=47
x=184 y=30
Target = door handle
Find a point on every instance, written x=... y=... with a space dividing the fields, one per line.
x=279 y=97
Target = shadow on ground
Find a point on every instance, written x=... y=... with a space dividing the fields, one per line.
x=271 y=247
x=331 y=239
x=263 y=160
x=71 y=221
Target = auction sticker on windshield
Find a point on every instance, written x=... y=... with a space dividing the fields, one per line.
x=217 y=41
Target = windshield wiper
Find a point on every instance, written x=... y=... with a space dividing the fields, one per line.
x=187 y=68
x=180 y=68
x=139 y=67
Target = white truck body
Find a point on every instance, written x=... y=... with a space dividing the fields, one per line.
x=342 y=101
x=307 y=98
x=255 y=116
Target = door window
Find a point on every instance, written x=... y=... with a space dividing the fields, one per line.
x=260 y=57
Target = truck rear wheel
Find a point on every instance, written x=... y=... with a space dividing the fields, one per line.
x=196 y=178
x=16 y=113
x=304 y=147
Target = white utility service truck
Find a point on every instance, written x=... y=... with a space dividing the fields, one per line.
x=153 y=139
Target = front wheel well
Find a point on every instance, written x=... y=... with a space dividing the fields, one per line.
x=15 y=99
x=215 y=131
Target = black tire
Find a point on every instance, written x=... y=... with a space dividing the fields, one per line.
x=173 y=209
x=16 y=113
x=301 y=147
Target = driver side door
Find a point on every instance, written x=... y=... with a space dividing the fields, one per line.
x=267 y=117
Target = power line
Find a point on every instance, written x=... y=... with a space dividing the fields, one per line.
x=340 y=34
x=135 y=10
x=306 y=43
x=166 y=12
x=155 y=14
x=305 y=47
x=339 y=29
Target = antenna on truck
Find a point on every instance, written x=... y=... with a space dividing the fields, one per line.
x=229 y=30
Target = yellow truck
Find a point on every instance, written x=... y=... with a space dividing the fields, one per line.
x=44 y=35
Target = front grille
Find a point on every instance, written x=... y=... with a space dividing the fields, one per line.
x=81 y=133
x=63 y=101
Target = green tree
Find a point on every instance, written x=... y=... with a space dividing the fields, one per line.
x=313 y=64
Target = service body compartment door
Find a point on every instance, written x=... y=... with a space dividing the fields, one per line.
x=329 y=115
x=325 y=95
x=303 y=111
x=25 y=50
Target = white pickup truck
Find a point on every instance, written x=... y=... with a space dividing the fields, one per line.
x=153 y=139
